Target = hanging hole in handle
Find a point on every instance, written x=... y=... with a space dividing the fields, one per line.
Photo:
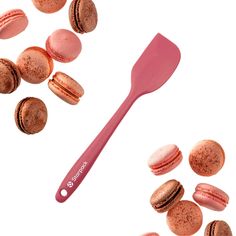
x=64 y=193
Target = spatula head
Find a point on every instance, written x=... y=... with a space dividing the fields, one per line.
x=155 y=66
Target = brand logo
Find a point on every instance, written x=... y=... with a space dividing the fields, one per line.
x=70 y=184
x=79 y=172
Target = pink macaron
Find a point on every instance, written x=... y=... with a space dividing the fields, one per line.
x=12 y=22
x=210 y=197
x=63 y=45
x=165 y=159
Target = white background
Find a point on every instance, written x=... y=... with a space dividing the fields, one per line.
x=198 y=102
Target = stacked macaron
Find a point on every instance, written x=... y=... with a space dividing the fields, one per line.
x=185 y=217
x=35 y=64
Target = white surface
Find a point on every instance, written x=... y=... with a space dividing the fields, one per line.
x=198 y=102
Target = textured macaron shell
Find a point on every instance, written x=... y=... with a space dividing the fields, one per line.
x=167 y=195
x=12 y=23
x=9 y=76
x=63 y=45
x=165 y=159
x=218 y=228
x=35 y=65
x=83 y=16
x=211 y=197
x=31 y=115
x=206 y=158
x=185 y=218
x=150 y=234
x=49 y=6
x=66 y=88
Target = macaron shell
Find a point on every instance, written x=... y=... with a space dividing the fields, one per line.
x=12 y=23
x=35 y=65
x=165 y=159
x=87 y=15
x=31 y=115
x=167 y=195
x=211 y=197
x=66 y=88
x=63 y=45
x=185 y=218
x=9 y=76
x=207 y=158
x=150 y=234
x=218 y=228
x=49 y=6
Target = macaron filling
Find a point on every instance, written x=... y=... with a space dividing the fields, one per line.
x=217 y=197
x=171 y=199
x=76 y=16
x=168 y=162
x=19 y=115
x=212 y=228
x=64 y=89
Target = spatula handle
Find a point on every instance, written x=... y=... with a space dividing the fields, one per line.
x=80 y=169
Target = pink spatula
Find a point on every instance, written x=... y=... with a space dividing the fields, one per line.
x=150 y=72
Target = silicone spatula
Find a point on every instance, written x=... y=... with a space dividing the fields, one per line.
x=154 y=67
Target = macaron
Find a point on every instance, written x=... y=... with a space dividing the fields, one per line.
x=185 y=218
x=49 y=6
x=31 y=115
x=35 y=65
x=207 y=158
x=12 y=23
x=83 y=16
x=150 y=234
x=165 y=159
x=66 y=88
x=167 y=195
x=218 y=228
x=210 y=197
x=63 y=45
x=9 y=76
